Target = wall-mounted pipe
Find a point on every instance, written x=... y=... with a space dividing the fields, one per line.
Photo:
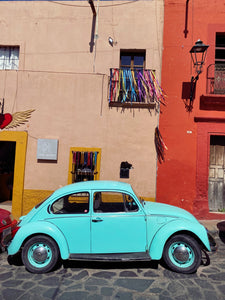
x=92 y=7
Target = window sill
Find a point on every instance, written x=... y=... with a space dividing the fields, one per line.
x=212 y=102
x=132 y=104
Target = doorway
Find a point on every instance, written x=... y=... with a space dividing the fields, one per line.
x=7 y=162
x=14 y=143
x=216 y=189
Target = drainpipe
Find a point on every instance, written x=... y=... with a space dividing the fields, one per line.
x=92 y=7
x=96 y=35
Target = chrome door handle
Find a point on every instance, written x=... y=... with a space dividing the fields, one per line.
x=97 y=220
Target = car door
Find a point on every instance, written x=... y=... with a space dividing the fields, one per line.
x=118 y=224
x=71 y=214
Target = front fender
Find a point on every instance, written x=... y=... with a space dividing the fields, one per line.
x=35 y=228
x=165 y=232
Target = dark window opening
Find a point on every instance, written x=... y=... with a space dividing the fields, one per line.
x=130 y=59
x=217 y=140
x=220 y=48
x=7 y=161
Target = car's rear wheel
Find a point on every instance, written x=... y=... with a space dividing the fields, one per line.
x=40 y=254
x=182 y=254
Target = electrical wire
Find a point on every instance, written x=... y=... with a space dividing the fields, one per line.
x=85 y=6
x=62 y=72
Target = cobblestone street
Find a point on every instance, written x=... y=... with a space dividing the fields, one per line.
x=136 y=281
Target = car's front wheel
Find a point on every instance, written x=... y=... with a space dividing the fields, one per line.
x=40 y=254
x=182 y=254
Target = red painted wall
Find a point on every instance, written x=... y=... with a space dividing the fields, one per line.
x=180 y=180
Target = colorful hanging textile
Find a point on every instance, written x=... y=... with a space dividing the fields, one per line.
x=128 y=85
x=84 y=163
x=84 y=159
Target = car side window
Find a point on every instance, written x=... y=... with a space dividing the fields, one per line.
x=130 y=203
x=110 y=202
x=77 y=203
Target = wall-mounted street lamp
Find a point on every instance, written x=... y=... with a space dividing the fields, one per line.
x=198 y=55
x=112 y=42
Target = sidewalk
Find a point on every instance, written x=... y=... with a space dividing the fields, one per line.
x=6 y=205
x=214 y=226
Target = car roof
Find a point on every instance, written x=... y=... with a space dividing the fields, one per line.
x=94 y=185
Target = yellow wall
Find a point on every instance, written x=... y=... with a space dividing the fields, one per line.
x=32 y=198
x=148 y=199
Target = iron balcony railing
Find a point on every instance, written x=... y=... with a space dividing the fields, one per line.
x=216 y=79
x=134 y=86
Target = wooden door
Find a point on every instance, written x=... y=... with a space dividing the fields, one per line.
x=216 y=190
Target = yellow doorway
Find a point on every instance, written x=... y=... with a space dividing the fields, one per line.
x=20 y=140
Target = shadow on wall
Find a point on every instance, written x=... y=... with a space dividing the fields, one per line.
x=188 y=95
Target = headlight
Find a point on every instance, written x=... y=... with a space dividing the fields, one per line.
x=4 y=222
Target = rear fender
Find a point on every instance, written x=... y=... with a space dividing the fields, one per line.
x=175 y=227
x=45 y=228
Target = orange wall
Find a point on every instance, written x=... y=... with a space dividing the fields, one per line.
x=176 y=177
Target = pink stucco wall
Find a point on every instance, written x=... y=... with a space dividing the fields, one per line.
x=67 y=85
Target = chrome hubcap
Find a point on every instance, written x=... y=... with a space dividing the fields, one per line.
x=181 y=253
x=40 y=254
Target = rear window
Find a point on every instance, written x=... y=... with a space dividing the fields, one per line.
x=77 y=203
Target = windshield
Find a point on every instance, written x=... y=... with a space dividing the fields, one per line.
x=39 y=204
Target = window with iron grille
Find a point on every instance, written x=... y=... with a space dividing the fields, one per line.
x=9 y=57
x=84 y=164
x=132 y=64
x=219 y=80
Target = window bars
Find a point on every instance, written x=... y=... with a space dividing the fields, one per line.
x=9 y=57
x=84 y=165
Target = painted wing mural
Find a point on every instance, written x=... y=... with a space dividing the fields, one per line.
x=8 y=121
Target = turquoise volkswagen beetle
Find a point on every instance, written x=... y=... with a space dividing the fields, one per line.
x=104 y=220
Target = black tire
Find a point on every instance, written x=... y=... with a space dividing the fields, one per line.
x=40 y=254
x=182 y=254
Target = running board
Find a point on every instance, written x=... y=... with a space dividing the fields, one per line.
x=138 y=256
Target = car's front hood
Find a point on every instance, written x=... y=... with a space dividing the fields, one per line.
x=165 y=210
